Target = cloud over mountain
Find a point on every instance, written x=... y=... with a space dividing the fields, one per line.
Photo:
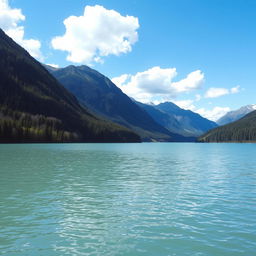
x=157 y=84
x=213 y=114
x=97 y=33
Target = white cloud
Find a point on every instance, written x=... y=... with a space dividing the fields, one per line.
x=218 y=92
x=99 y=32
x=120 y=80
x=156 y=84
x=9 y=20
x=193 y=81
x=154 y=80
x=185 y=104
x=53 y=65
x=213 y=114
x=235 y=89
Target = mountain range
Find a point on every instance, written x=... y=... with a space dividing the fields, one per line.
x=39 y=103
x=105 y=99
x=35 y=107
x=178 y=120
x=236 y=114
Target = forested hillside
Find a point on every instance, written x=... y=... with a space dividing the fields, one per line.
x=243 y=130
x=34 y=107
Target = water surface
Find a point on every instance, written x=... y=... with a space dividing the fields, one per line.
x=128 y=199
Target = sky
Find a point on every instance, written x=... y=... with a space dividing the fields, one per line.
x=199 y=54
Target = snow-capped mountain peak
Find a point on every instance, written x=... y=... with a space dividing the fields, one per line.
x=236 y=114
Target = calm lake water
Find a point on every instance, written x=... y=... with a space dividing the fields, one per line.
x=128 y=199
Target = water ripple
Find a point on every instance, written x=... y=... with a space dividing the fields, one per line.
x=128 y=199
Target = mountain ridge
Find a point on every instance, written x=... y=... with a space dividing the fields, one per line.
x=178 y=120
x=35 y=107
x=103 y=97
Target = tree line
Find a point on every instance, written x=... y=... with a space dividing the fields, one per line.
x=18 y=126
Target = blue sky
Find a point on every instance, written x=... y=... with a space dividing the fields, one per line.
x=200 y=54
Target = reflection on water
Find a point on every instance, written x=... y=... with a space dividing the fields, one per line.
x=128 y=199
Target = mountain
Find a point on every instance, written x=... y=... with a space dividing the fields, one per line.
x=104 y=98
x=35 y=107
x=178 y=120
x=236 y=114
x=243 y=130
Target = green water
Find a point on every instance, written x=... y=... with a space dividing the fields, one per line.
x=128 y=199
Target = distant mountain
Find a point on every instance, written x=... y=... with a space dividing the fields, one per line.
x=104 y=98
x=178 y=120
x=236 y=114
x=34 y=107
x=243 y=130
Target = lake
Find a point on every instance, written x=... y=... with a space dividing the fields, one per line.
x=128 y=199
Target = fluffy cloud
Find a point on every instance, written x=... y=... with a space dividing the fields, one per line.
x=156 y=84
x=218 y=92
x=213 y=114
x=193 y=81
x=120 y=80
x=9 y=20
x=98 y=33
